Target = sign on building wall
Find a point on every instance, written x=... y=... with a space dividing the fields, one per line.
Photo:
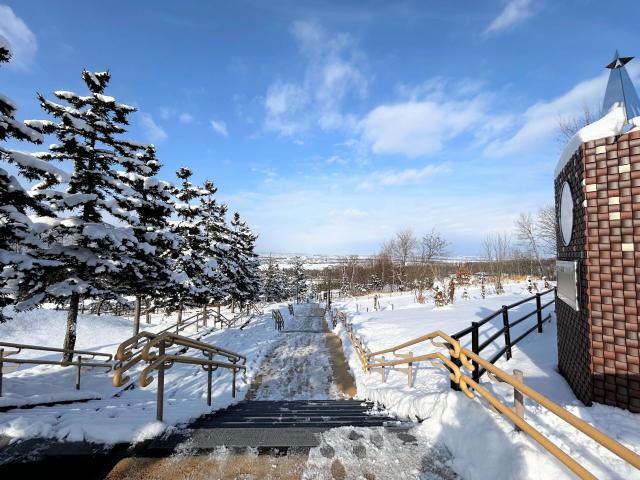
x=568 y=283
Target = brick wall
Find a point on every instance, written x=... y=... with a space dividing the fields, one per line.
x=606 y=239
x=574 y=357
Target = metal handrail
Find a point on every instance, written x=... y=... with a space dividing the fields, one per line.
x=161 y=361
x=78 y=363
x=128 y=357
x=145 y=376
x=24 y=346
x=173 y=339
x=467 y=358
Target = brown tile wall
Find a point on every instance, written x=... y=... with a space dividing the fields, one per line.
x=612 y=184
x=606 y=240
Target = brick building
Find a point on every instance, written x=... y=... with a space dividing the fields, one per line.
x=597 y=190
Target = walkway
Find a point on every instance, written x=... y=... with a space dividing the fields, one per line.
x=298 y=421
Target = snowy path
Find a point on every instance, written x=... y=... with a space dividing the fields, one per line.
x=299 y=366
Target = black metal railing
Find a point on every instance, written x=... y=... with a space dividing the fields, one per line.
x=505 y=332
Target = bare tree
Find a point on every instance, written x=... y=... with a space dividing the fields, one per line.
x=433 y=245
x=568 y=127
x=404 y=245
x=527 y=233
x=546 y=225
x=496 y=248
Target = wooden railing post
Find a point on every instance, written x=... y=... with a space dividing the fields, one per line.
x=160 y=399
x=518 y=397
x=219 y=318
x=209 y=379
x=1 y=368
x=78 y=372
x=475 y=347
x=539 y=310
x=507 y=332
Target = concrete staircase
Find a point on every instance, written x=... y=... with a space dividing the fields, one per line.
x=274 y=424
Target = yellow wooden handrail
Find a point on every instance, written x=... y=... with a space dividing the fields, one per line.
x=469 y=386
x=592 y=432
x=169 y=360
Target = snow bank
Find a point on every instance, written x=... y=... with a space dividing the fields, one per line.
x=484 y=444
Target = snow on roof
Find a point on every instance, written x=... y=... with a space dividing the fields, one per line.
x=621 y=107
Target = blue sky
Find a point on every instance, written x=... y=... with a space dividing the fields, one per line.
x=331 y=125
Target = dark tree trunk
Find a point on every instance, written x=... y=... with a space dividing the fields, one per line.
x=72 y=320
x=136 y=315
x=147 y=304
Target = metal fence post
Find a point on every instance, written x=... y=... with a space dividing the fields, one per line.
x=507 y=332
x=1 y=367
x=209 y=379
x=233 y=386
x=475 y=347
x=78 y=372
x=539 y=310
x=410 y=371
x=160 y=399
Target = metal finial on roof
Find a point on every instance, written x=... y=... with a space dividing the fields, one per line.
x=619 y=62
x=620 y=89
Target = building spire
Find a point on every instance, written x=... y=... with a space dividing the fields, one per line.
x=620 y=89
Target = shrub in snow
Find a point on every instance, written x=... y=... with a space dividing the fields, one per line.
x=451 y=291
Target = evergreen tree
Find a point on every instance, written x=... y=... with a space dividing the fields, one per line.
x=199 y=277
x=274 y=283
x=19 y=248
x=92 y=252
x=298 y=279
x=218 y=246
x=150 y=275
x=246 y=281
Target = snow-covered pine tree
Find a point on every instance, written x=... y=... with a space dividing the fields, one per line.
x=246 y=283
x=19 y=248
x=150 y=275
x=198 y=272
x=273 y=283
x=218 y=246
x=93 y=251
x=298 y=279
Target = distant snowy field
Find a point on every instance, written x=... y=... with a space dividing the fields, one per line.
x=130 y=416
x=484 y=444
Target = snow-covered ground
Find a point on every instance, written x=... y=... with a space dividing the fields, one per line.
x=129 y=416
x=482 y=443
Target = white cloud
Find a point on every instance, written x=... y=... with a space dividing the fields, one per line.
x=333 y=71
x=419 y=127
x=283 y=103
x=185 y=118
x=539 y=123
x=154 y=132
x=21 y=39
x=220 y=127
x=403 y=177
x=514 y=12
